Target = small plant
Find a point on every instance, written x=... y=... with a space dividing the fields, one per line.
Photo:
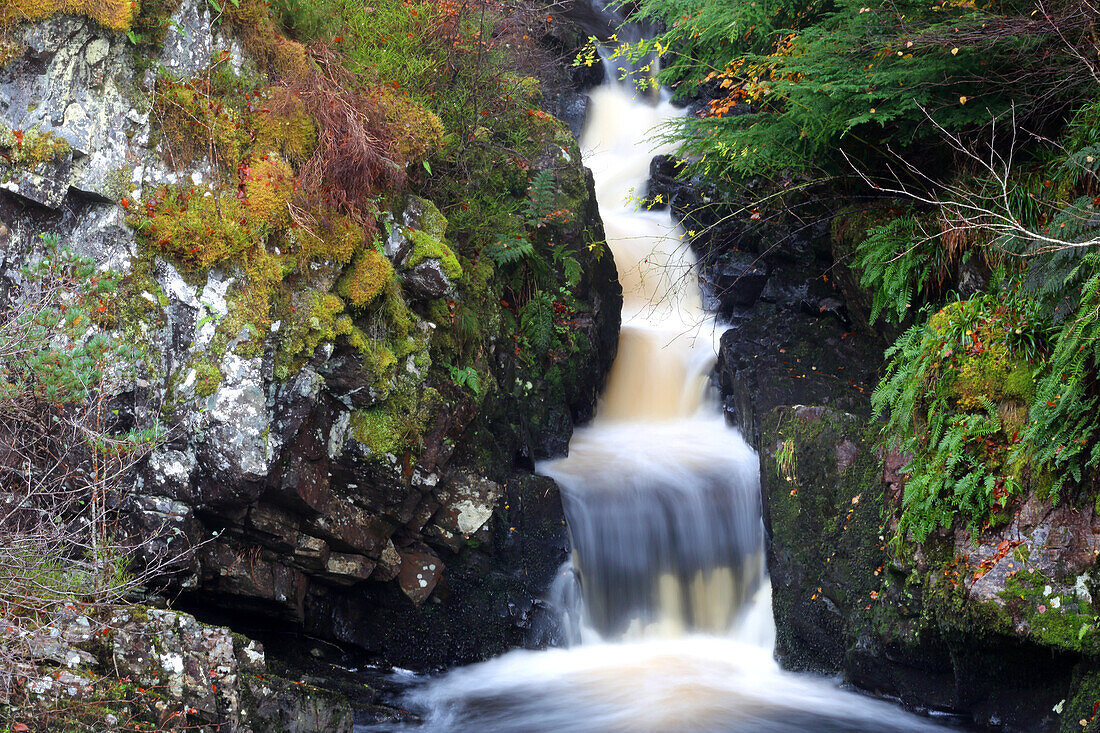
x=465 y=377
x=784 y=461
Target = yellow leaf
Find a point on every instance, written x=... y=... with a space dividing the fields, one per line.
x=954 y=51
x=962 y=100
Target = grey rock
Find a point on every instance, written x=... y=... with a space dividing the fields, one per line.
x=427 y=280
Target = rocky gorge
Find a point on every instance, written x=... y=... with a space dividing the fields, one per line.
x=357 y=311
x=305 y=481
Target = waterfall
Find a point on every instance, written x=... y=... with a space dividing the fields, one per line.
x=672 y=627
x=661 y=497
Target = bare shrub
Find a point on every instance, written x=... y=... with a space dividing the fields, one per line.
x=67 y=458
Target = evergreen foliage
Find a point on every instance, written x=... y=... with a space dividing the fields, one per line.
x=794 y=83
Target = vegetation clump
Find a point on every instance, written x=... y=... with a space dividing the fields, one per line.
x=114 y=14
x=957 y=389
x=366 y=278
x=28 y=148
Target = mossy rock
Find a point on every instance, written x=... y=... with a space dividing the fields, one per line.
x=114 y=14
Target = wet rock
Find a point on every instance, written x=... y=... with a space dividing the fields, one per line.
x=841 y=604
x=419 y=574
x=212 y=677
x=310 y=553
x=291 y=515
x=734 y=280
x=427 y=280
x=467 y=502
x=484 y=603
x=572 y=109
x=772 y=356
x=349 y=381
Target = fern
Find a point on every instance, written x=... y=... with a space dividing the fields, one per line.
x=962 y=465
x=509 y=250
x=1062 y=434
x=536 y=319
x=897 y=262
x=540 y=197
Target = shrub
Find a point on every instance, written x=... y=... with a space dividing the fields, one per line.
x=66 y=458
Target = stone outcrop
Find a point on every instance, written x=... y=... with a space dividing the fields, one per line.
x=271 y=494
x=113 y=668
x=998 y=630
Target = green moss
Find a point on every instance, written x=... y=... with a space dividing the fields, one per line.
x=197 y=124
x=292 y=134
x=1083 y=700
x=368 y=276
x=426 y=246
x=207 y=378
x=199 y=227
x=114 y=14
x=28 y=148
x=268 y=185
x=1050 y=615
x=8 y=51
x=377 y=429
x=252 y=23
x=317 y=317
x=118 y=184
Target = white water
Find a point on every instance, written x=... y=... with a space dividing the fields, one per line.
x=672 y=627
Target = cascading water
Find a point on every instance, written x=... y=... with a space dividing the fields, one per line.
x=673 y=628
x=661 y=498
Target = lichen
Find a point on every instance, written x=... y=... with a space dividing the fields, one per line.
x=118 y=183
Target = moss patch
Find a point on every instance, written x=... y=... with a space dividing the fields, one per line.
x=114 y=14
x=366 y=278
x=428 y=247
x=28 y=148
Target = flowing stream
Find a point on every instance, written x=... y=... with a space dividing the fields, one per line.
x=669 y=623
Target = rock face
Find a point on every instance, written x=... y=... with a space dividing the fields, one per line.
x=150 y=665
x=790 y=340
x=998 y=632
x=274 y=491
